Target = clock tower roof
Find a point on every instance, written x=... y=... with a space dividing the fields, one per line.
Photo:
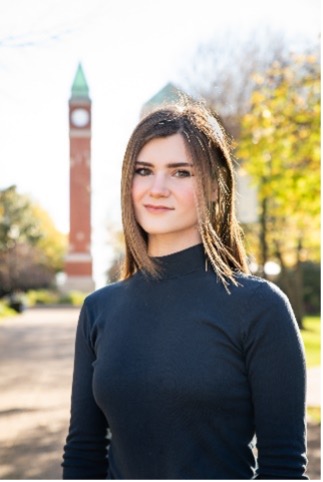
x=80 y=88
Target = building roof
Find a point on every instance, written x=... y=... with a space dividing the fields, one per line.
x=167 y=95
x=80 y=88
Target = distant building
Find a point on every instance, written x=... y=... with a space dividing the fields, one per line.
x=167 y=95
x=247 y=198
x=78 y=263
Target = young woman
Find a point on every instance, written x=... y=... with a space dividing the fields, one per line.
x=189 y=359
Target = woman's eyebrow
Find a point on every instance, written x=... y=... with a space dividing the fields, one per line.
x=170 y=165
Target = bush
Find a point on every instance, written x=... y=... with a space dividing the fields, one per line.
x=5 y=310
x=74 y=298
x=50 y=297
x=311 y=274
x=42 y=297
x=312 y=287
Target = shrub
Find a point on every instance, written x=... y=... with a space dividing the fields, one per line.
x=42 y=297
x=74 y=298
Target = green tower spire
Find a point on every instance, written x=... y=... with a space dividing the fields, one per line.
x=169 y=94
x=80 y=89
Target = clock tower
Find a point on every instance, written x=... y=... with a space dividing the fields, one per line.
x=78 y=262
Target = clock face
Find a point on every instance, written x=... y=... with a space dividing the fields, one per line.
x=80 y=117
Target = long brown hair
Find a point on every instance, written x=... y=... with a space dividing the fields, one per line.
x=209 y=148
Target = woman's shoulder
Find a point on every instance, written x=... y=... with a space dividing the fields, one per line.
x=264 y=302
x=256 y=285
x=106 y=293
x=258 y=294
x=102 y=301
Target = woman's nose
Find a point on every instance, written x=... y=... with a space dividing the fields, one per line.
x=159 y=186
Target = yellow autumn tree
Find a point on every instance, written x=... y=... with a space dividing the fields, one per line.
x=280 y=149
x=52 y=243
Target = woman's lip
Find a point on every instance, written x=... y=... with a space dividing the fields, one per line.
x=152 y=208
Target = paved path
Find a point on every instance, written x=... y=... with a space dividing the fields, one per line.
x=314 y=387
x=36 y=358
x=36 y=361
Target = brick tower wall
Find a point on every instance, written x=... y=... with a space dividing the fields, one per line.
x=78 y=263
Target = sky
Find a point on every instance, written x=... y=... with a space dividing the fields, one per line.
x=129 y=50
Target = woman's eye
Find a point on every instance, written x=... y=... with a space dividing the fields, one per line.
x=142 y=171
x=183 y=173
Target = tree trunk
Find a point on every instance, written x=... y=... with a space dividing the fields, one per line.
x=291 y=282
x=263 y=235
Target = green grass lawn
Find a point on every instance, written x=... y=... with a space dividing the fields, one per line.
x=311 y=335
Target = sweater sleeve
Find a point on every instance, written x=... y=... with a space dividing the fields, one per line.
x=85 y=452
x=277 y=376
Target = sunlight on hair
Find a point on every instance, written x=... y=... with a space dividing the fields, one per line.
x=216 y=127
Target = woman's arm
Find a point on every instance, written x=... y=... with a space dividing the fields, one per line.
x=276 y=370
x=85 y=452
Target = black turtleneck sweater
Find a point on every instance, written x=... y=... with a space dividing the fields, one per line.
x=185 y=375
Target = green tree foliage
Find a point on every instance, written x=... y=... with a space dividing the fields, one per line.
x=31 y=248
x=17 y=222
x=280 y=150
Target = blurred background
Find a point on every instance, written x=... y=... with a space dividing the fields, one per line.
x=257 y=64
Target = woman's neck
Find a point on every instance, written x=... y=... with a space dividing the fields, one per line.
x=165 y=245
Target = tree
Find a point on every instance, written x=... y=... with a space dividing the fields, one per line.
x=280 y=149
x=31 y=249
x=220 y=72
x=17 y=222
x=52 y=243
x=221 y=75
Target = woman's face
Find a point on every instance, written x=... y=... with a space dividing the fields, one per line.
x=163 y=194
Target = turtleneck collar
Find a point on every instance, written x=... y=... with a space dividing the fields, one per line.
x=181 y=263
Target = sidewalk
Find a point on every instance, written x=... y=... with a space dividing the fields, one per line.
x=314 y=387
